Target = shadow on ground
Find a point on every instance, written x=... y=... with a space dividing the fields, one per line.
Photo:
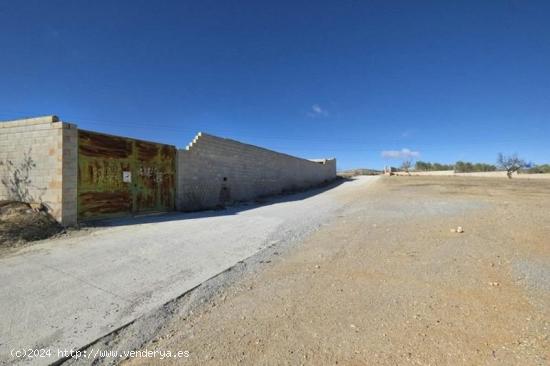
x=233 y=209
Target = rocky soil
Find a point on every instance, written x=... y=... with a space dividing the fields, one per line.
x=20 y=224
x=389 y=281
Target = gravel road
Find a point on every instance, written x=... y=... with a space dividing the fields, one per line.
x=66 y=293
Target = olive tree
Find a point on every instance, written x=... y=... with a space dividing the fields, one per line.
x=510 y=163
x=406 y=166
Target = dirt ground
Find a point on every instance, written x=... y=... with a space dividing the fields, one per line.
x=388 y=283
x=19 y=224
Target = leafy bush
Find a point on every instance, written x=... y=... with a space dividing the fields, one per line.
x=467 y=167
x=428 y=167
x=539 y=169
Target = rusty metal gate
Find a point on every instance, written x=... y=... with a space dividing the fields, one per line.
x=121 y=176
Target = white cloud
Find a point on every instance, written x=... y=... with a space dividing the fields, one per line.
x=317 y=111
x=400 y=154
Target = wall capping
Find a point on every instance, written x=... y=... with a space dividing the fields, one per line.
x=29 y=121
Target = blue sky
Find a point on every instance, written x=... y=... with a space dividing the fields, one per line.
x=441 y=80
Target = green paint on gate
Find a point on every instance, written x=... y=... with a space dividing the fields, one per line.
x=120 y=176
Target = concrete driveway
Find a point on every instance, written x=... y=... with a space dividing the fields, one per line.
x=64 y=294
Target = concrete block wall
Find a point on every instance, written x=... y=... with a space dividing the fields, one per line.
x=49 y=149
x=211 y=171
x=214 y=170
x=69 y=195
